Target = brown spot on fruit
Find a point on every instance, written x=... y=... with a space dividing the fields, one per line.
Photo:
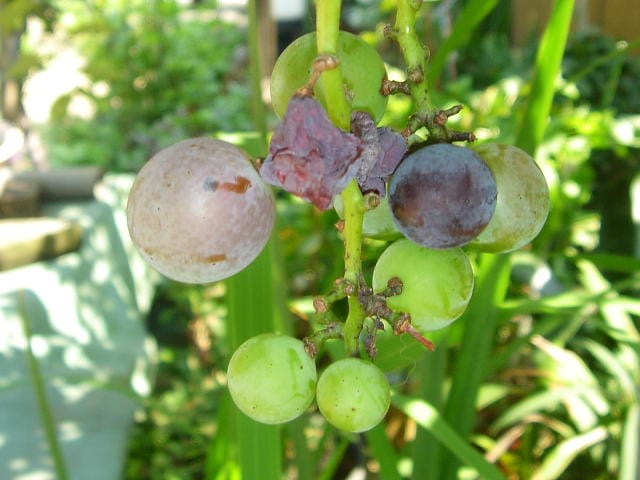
x=215 y=258
x=239 y=185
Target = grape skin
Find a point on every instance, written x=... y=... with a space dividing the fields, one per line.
x=362 y=73
x=271 y=378
x=198 y=211
x=442 y=196
x=353 y=395
x=436 y=284
x=523 y=199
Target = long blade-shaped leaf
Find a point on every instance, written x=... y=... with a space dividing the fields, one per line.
x=383 y=452
x=479 y=328
x=547 y=68
x=428 y=417
x=629 y=463
x=558 y=460
x=426 y=450
x=251 y=310
x=39 y=389
x=471 y=16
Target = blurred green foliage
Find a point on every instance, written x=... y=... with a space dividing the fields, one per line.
x=157 y=71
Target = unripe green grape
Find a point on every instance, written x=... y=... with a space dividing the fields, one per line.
x=522 y=203
x=271 y=378
x=360 y=64
x=353 y=395
x=436 y=284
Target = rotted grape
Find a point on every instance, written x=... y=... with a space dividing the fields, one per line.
x=442 y=196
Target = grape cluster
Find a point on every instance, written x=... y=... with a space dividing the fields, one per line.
x=200 y=212
x=272 y=380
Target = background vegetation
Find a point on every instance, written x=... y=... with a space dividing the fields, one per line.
x=541 y=375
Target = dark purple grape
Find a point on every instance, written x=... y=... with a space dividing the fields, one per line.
x=442 y=196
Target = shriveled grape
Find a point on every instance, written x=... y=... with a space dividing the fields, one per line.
x=442 y=196
x=523 y=199
x=353 y=395
x=271 y=378
x=362 y=73
x=436 y=284
x=199 y=212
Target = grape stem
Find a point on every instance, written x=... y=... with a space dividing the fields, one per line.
x=327 y=33
x=415 y=55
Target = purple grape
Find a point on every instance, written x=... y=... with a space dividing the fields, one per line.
x=442 y=196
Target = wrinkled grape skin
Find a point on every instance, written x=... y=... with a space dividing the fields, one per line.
x=353 y=395
x=362 y=73
x=442 y=196
x=198 y=211
x=436 y=284
x=523 y=199
x=271 y=378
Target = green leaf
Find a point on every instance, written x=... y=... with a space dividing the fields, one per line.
x=428 y=417
x=616 y=368
x=557 y=461
x=612 y=262
x=251 y=310
x=479 y=323
x=382 y=450
x=547 y=69
x=630 y=444
x=468 y=20
x=431 y=371
x=544 y=401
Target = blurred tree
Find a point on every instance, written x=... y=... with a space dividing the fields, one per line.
x=15 y=63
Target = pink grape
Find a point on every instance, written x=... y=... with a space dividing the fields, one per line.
x=198 y=211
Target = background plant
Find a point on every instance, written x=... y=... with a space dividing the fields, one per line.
x=544 y=385
x=157 y=72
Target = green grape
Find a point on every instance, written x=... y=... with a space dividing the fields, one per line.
x=353 y=395
x=362 y=73
x=436 y=284
x=523 y=199
x=271 y=378
x=377 y=222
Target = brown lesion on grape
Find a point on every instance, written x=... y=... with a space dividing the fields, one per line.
x=240 y=185
x=215 y=258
